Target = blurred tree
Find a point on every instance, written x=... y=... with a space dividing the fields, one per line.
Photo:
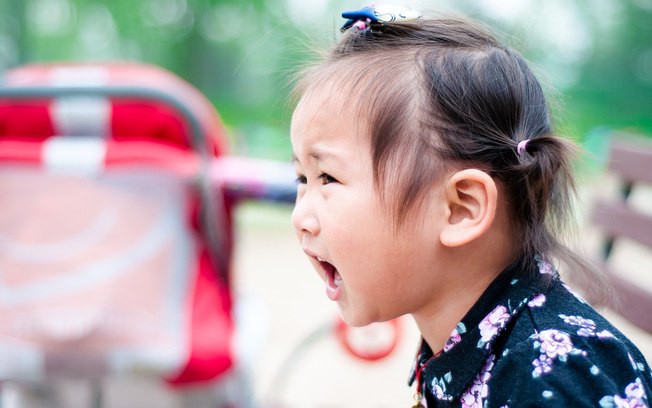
x=615 y=82
x=242 y=54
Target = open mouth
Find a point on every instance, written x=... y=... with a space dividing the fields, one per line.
x=333 y=279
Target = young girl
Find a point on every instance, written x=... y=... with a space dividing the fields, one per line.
x=431 y=184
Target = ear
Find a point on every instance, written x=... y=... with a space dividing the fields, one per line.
x=471 y=197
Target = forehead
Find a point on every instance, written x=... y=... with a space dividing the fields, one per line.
x=327 y=114
x=336 y=89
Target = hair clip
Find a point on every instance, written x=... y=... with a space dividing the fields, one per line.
x=385 y=13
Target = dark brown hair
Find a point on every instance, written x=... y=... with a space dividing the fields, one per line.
x=436 y=92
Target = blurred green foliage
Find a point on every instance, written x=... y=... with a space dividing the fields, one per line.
x=242 y=54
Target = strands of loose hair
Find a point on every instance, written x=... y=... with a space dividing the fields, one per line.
x=444 y=92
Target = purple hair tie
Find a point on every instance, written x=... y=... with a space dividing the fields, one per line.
x=522 y=146
x=360 y=25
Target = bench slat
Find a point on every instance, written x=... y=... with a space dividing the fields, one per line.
x=632 y=162
x=633 y=302
x=619 y=220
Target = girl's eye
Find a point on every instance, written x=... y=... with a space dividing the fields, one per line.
x=326 y=179
x=301 y=179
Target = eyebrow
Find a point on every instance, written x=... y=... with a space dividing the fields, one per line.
x=318 y=155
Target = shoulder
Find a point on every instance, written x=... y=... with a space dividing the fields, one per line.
x=558 y=368
x=574 y=358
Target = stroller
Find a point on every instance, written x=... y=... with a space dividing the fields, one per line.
x=116 y=230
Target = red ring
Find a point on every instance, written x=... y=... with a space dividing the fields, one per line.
x=343 y=332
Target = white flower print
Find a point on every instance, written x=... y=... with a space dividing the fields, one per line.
x=537 y=301
x=439 y=393
x=634 y=397
x=474 y=397
x=438 y=386
x=492 y=323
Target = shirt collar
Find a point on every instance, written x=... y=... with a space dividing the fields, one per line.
x=469 y=345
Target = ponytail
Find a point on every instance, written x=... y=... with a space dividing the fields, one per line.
x=445 y=90
x=548 y=188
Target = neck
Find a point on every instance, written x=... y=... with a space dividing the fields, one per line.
x=470 y=271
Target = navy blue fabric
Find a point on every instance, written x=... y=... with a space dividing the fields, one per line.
x=529 y=341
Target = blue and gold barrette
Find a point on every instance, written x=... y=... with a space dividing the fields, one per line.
x=381 y=14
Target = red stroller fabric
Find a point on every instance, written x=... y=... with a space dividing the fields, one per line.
x=114 y=250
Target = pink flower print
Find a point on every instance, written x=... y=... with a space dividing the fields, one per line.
x=542 y=365
x=578 y=321
x=537 y=301
x=474 y=397
x=635 y=390
x=488 y=365
x=555 y=343
x=453 y=339
x=492 y=323
x=546 y=268
x=586 y=326
x=620 y=402
x=634 y=397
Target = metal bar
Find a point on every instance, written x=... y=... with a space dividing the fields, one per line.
x=212 y=217
x=197 y=137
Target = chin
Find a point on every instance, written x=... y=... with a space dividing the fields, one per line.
x=357 y=323
x=358 y=320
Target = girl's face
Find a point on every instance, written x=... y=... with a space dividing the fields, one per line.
x=373 y=271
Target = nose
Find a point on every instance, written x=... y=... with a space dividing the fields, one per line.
x=304 y=218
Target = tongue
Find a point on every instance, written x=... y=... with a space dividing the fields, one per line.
x=333 y=284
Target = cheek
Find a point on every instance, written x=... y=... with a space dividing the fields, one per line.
x=356 y=219
x=365 y=245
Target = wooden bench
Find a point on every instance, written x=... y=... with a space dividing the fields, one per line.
x=632 y=164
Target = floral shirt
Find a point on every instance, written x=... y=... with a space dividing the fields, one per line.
x=529 y=341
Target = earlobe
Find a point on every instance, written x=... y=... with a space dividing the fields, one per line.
x=471 y=199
